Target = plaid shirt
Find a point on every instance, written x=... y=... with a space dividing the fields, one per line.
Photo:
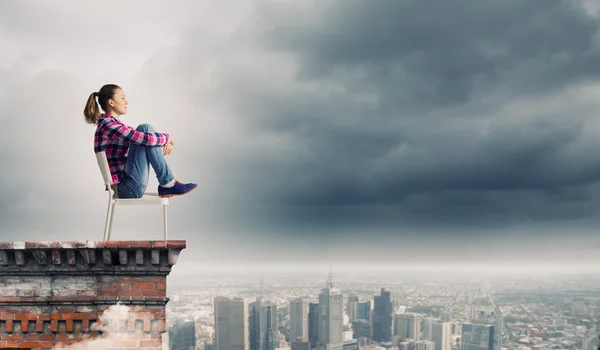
x=114 y=138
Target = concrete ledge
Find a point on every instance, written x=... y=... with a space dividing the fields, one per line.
x=89 y=257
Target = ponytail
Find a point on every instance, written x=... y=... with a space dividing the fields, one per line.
x=91 y=111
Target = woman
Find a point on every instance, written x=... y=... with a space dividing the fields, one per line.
x=130 y=151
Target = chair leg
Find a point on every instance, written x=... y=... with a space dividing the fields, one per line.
x=165 y=218
x=112 y=215
x=108 y=219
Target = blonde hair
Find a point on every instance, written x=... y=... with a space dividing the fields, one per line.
x=91 y=111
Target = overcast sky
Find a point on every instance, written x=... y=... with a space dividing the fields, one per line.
x=322 y=132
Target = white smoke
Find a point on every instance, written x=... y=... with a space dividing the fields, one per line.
x=113 y=324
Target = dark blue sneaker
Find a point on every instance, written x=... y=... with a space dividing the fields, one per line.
x=177 y=190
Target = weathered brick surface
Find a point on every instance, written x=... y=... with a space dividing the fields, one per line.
x=55 y=293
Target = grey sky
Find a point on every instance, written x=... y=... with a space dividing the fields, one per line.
x=318 y=130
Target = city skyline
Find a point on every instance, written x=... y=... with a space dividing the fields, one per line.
x=345 y=133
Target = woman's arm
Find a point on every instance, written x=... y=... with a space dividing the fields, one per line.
x=129 y=135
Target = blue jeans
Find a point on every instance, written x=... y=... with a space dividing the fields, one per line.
x=137 y=168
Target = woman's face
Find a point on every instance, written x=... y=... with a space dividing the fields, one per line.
x=118 y=103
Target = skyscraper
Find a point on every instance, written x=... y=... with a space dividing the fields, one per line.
x=382 y=317
x=441 y=335
x=313 y=324
x=231 y=324
x=298 y=320
x=424 y=345
x=352 y=307
x=364 y=310
x=182 y=334
x=263 y=325
x=414 y=327
x=331 y=315
x=477 y=337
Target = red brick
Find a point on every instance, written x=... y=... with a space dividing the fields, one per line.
x=176 y=244
x=100 y=245
x=144 y=286
x=9 y=326
x=39 y=326
x=155 y=280
x=72 y=316
x=12 y=345
x=31 y=345
x=130 y=293
x=123 y=244
x=7 y=316
x=70 y=326
x=153 y=342
x=46 y=337
x=111 y=244
x=146 y=327
x=154 y=293
x=158 y=244
x=161 y=286
x=24 y=326
x=21 y=317
x=13 y=337
x=54 y=326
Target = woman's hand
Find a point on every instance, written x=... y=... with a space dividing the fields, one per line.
x=167 y=149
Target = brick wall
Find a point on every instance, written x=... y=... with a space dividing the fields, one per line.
x=55 y=294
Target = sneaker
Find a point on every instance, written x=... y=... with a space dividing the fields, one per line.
x=177 y=190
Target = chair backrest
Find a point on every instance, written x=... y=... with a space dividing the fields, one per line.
x=104 y=169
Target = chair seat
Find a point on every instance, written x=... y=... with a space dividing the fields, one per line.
x=147 y=199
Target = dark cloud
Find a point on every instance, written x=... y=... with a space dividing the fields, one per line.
x=398 y=111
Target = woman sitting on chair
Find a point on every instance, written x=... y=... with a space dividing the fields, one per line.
x=130 y=151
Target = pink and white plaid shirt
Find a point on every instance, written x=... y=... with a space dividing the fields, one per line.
x=114 y=138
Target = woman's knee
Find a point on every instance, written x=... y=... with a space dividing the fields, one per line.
x=145 y=128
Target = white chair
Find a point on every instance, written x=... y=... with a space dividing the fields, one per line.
x=147 y=198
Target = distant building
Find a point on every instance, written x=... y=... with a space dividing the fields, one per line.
x=407 y=326
x=298 y=319
x=313 y=324
x=441 y=335
x=231 y=324
x=263 y=326
x=300 y=344
x=364 y=310
x=477 y=337
x=182 y=334
x=361 y=329
x=382 y=317
x=330 y=316
x=352 y=307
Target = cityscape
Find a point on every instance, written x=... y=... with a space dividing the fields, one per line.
x=399 y=311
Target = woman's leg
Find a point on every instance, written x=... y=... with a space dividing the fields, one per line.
x=139 y=160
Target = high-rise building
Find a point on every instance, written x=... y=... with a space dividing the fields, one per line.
x=300 y=344
x=424 y=345
x=477 y=337
x=428 y=329
x=441 y=335
x=352 y=307
x=414 y=327
x=231 y=324
x=364 y=310
x=407 y=326
x=298 y=320
x=313 y=324
x=382 y=317
x=331 y=315
x=263 y=327
x=361 y=329
x=401 y=325
x=182 y=334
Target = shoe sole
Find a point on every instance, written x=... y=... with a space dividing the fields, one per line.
x=180 y=194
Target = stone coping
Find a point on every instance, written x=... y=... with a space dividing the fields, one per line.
x=169 y=244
